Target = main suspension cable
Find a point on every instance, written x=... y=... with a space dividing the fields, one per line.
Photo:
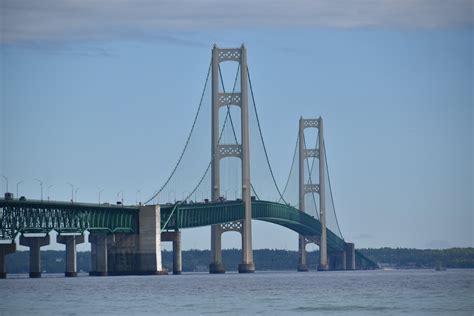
x=227 y=117
x=292 y=165
x=261 y=137
x=330 y=190
x=187 y=140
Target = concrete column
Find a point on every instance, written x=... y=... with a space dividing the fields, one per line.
x=93 y=243
x=340 y=263
x=217 y=264
x=302 y=264
x=35 y=243
x=175 y=237
x=99 y=242
x=71 y=255
x=323 y=248
x=5 y=249
x=149 y=240
x=177 y=257
x=350 y=256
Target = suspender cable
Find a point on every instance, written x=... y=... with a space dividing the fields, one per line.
x=261 y=137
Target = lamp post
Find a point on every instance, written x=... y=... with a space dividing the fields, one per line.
x=139 y=199
x=49 y=187
x=72 y=191
x=75 y=193
x=6 y=181
x=169 y=196
x=17 y=184
x=120 y=192
x=184 y=195
x=100 y=191
x=41 y=186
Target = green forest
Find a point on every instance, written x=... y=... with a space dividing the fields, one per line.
x=265 y=259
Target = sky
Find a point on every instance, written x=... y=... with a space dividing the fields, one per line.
x=104 y=96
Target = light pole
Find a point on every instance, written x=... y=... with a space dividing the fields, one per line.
x=184 y=195
x=6 y=181
x=75 y=192
x=41 y=186
x=139 y=200
x=169 y=196
x=120 y=192
x=17 y=184
x=49 y=187
x=72 y=191
x=100 y=191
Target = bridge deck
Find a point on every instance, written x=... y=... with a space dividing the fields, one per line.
x=33 y=216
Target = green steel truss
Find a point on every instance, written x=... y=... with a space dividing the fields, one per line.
x=30 y=216
x=204 y=214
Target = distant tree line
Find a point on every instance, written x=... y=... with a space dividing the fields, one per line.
x=406 y=258
x=265 y=259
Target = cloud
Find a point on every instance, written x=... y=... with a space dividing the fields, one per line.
x=58 y=20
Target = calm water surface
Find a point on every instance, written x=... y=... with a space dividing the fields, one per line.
x=417 y=292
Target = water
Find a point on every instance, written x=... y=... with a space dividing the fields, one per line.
x=417 y=292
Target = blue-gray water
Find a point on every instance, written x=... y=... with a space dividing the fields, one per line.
x=418 y=292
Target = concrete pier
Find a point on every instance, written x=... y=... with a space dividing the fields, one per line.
x=122 y=254
x=98 y=254
x=217 y=264
x=337 y=260
x=350 y=256
x=35 y=243
x=149 y=242
x=302 y=264
x=175 y=237
x=5 y=249
x=71 y=255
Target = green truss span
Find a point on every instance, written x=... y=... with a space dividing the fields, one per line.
x=31 y=216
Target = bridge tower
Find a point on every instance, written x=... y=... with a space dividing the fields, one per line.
x=220 y=151
x=305 y=188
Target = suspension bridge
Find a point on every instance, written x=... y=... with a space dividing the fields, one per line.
x=127 y=239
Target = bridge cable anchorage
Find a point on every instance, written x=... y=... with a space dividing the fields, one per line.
x=187 y=140
x=228 y=117
x=291 y=167
x=310 y=171
x=261 y=137
x=330 y=190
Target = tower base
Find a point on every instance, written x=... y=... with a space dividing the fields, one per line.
x=216 y=268
x=302 y=268
x=323 y=267
x=246 y=268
